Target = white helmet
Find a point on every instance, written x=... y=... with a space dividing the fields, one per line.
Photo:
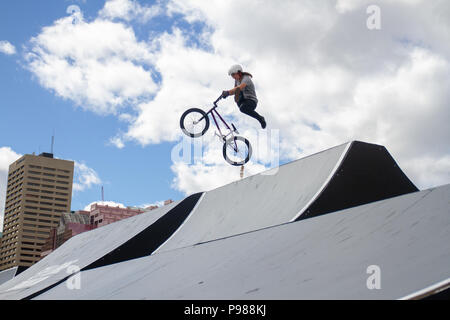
x=234 y=69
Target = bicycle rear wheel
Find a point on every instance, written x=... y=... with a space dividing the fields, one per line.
x=194 y=122
x=237 y=151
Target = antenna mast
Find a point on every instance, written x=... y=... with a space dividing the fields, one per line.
x=53 y=143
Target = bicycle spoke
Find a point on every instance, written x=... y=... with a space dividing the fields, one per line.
x=237 y=151
x=191 y=125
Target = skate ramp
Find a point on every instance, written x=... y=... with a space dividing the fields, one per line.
x=120 y=241
x=7 y=275
x=345 y=176
x=326 y=257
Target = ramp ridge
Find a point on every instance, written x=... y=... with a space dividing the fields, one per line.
x=151 y=238
x=181 y=226
x=368 y=173
x=326 y=182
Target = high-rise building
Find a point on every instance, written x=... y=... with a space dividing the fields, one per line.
x=39 y=190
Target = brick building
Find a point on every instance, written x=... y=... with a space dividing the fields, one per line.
x=70 y=224
x=101 y=215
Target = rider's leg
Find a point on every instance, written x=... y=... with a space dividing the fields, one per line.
x=248 y=107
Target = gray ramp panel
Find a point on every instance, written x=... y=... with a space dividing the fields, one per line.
x=79 y=252
x=259 y=201
x=7 y=275
x=320 y=258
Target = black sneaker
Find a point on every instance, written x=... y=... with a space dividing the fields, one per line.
x=263 y=123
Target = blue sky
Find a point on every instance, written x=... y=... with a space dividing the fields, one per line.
x=30 y=114
x=112 y=80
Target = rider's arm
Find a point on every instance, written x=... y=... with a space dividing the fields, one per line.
x=241 y=87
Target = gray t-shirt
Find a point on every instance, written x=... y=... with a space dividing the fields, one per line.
x=249 y=90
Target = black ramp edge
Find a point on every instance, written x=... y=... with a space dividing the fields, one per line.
x=34 y=295
x=20 y=269
x=368 y=173
x=148 y=240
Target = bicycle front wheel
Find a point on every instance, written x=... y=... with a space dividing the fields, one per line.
x=194 y=122
x=237 y=151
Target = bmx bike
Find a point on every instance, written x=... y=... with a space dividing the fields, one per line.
x=194 y=122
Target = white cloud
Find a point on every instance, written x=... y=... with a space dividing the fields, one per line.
x=322 y=77
x=157 y=203
x=7 y=156
x=100 y=65
x=191 y=77
x=104 y=203
x=7 y=48
x=84 y=177
x=205 y=168
x=203 y=176
x=428 y=171
x=129 y=10
x=117 y=142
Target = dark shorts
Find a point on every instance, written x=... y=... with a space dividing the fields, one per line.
x=246 y=104
x=248 y=107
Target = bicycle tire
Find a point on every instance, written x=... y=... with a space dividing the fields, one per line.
x=191 y=112
x=248 y=153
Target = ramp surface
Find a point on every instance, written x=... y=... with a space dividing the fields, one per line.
x=123 y=240
x=345 y=176
x=342 y=177
x=326 y=257
x=7 y=275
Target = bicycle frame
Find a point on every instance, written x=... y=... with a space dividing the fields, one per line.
x=212 y=111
